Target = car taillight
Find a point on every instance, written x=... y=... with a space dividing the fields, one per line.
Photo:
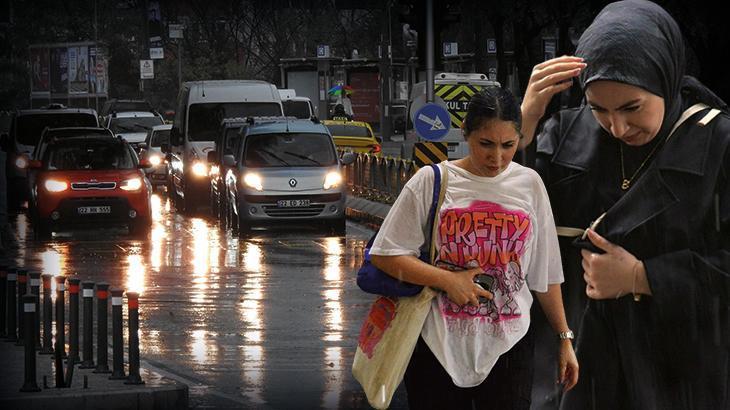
x=375 y=148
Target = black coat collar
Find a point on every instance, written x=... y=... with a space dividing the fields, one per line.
x=686 y=151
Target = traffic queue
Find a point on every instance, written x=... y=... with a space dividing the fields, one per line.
x=249 y=154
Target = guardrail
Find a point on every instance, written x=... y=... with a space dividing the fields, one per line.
x=378 y=178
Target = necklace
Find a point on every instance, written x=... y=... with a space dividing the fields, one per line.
x=626 y=182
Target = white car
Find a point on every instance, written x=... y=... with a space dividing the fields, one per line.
x=152 y=150
x=133 y=125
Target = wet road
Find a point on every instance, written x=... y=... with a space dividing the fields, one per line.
x=269 y=321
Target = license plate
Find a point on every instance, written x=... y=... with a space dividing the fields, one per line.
x=290 y=203
x=84 y=210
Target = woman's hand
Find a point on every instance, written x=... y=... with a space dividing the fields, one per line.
x=567 y=365
x=611 y=274
x=547 y=79
x=461 y=289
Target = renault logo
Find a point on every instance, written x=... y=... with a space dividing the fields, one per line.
x=292 y=182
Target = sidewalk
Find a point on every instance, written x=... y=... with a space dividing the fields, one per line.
x=158 y=392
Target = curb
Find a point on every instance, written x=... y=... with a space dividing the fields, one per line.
x=368 y=213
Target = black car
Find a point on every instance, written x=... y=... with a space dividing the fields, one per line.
x=226 y=143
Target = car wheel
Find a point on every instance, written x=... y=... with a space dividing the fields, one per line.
x=140 y=229
x=189 y=203
x=338 y=227
x=41 y=228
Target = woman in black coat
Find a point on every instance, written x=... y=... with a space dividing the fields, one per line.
x=655 y=267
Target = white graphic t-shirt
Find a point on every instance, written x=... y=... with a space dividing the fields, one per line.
x=505 y=225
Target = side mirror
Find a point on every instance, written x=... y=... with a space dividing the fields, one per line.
x=35 y=164
x=347 y=158
x=379 y=138
x=212 y=157
x=165 y=147
x=229 y=160
x=142 y=145
x=144 y=163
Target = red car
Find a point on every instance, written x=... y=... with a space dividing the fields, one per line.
x=90 y=181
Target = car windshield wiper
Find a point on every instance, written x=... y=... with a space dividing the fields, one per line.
x=294 y=154
x=280 y=159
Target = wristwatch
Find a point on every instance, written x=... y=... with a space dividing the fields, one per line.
x=566 y=335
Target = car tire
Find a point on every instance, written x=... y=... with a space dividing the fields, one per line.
x=41 y=228
x=338 y=227
x=188 y=202
x=140 y=229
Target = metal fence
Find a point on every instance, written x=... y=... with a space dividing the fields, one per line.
x=378 y=178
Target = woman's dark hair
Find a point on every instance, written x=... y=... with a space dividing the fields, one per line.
x=491 y=103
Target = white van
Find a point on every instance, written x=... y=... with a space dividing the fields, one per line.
x=453 y=91
x=294 y=106
x=201 y=106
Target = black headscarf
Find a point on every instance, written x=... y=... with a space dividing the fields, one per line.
x=637 y=42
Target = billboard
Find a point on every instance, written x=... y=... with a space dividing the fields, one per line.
x=39 y=63
x=69 y=69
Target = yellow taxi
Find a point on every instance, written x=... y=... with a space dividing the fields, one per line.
x=354 y=136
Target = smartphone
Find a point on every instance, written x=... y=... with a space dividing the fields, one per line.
x=486 y=282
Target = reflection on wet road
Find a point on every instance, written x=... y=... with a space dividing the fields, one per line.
x=269 y=321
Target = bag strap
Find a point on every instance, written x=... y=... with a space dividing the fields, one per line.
x=439 y=193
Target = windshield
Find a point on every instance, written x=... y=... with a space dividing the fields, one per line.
x=298 y=109
x=88 y=154
x=341 y=130
x=159 y=138
x=29 y=127
x=133 y=124
x=289 y=150
x=204 y=119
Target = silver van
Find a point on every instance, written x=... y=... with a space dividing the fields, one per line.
x=285 y=170
x=201 y=106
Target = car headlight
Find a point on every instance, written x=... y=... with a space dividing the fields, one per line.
x=199 y=169
x=53 y=185
x=131 y=184
x=21 y=162
x=332 y=180
x=254 y=181
x=155 y=160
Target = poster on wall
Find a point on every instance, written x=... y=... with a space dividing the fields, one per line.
x=39 y=63
x=97 y=71
x=59 y=70
x=78 y=69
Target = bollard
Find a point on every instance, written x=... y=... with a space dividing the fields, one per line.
x=117 y=336
x=73 y=320
x=61 y=314
x=22 y=290
x=47 y=314
x=88 y=347
x=133 y=313
x=3 y=297
x=58 y=359
x=35 y=290
x=11 y=326
x=102 y=328
x=29 y=312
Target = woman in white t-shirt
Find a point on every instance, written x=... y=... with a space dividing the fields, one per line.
x=475 y=348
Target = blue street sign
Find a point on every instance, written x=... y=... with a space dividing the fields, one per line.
x=432 y=122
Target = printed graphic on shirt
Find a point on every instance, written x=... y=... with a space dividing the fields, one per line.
x=493 y=237
x=379 y=318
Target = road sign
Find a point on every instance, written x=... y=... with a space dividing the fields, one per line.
x=323 y=51
x=432 y=122
x=176 y=30
x=146 y=69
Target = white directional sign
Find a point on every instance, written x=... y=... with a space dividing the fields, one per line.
x=146 y=69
